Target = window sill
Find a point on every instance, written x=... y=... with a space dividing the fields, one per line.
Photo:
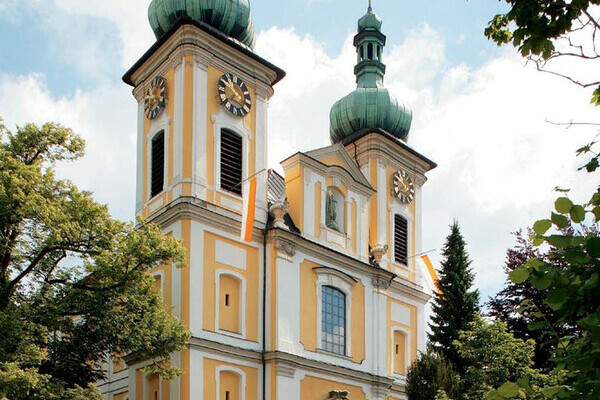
x=336 y=355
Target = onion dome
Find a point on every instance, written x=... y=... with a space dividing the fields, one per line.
x=231 y=17
x=370 y=106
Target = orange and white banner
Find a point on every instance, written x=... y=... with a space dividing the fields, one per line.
x=432 y=272
x=249 y=192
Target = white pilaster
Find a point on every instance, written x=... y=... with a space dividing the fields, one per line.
x=178 y=130
x=199 y=122
x=139 y=190
x=261 y=157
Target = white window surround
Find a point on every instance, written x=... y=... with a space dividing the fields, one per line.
x=157 y=126
x=402 y=210
x=242 y=316
x=406 y=349
x=340 y=209
x=339 y=280
x=145 y=386
x=221 y=121
x=237 y=371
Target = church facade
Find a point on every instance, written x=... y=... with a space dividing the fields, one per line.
x=306 y=285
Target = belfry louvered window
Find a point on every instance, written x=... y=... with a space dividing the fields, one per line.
x=231 y=162
x=157 y=164
x=400 y=240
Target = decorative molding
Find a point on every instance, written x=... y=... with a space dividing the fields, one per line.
x=285 y=249
x=285 y=370
x=381 y=283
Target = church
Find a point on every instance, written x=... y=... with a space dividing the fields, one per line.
x=304 y=285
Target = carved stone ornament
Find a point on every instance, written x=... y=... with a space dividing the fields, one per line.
x=279 y=209
x=338 y=395
x=285 y=249
x=378 y=252
x=381 y=283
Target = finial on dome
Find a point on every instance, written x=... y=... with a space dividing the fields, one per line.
x=370 y=9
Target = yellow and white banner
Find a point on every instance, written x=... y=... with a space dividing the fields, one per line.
x=249 y=193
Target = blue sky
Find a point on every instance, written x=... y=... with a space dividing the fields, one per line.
x=480 y=112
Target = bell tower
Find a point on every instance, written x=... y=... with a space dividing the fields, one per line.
x=202 y=95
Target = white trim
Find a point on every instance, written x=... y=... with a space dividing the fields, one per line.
x=221 y=121
x=236 y=371
x=406 y=350
x=159 y=125
x=329 y=277
x=178 y=127
x=199 y=131
x=139 y=197
x=162 y=280
x=242 y=316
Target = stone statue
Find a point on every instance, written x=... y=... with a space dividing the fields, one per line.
x=330 y=211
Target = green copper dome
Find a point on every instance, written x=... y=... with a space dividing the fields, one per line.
x=232 y=17
x=370 y=106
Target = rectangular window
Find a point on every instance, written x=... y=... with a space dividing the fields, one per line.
x=400 y=240
x=157 y=165
x=333 y=320
x=231 y=162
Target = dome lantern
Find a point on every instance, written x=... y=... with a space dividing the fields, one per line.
x=371 y=105
x=231 y=17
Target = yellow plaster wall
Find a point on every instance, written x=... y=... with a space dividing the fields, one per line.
x=250 y=274
x=412 y=329
x=317 y=388
x=353 y=224
x=318 y=189
x=229 y=304
x=373 y=203
x=399 y=353
x=294 y=191
x=210 y=380
x=309 y=307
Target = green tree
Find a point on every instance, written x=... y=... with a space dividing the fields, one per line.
x=430 y=376
x=503 y=305
x=546 y=31
x=455 y=305
x=74 y=287
x=495 y=357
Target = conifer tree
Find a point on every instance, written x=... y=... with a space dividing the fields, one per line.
x=455 y=306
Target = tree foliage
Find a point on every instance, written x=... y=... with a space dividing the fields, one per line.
x=456 y=304
x=495 y=357
x=504 y=305
x=74 y=287
x=431 y=377
x=549 y=30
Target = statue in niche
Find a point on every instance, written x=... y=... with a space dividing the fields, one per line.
x=330 y=211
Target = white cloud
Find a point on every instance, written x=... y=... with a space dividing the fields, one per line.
x=105 y=118
x=498 y=158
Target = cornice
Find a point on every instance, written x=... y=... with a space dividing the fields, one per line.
x=189 y=40
x=297 y=362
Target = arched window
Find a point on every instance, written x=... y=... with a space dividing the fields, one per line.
x=333 y=320
x=335 y=210
x=399 y=353
x=400 y=240
x=153 y=382
x=157 y=164
x=229 y=303
x=231 y=161
x=370 y=51
x=378 y=52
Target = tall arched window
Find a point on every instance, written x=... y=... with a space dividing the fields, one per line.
x=231 y=161
x=370 y=51
x=333 y=320
x=157 y=164
x=230 y=386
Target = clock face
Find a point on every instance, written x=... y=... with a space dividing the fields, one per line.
x=404 y=189
x=234 y=95
x=156 y=97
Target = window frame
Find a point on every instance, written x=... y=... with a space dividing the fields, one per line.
x=344 y=217
x=243 y=161
x=233 y=370
x=220 y=123
x=343 y=337
x=162 y=125
x=404 y=213
x=407 y=349
x=336 y=279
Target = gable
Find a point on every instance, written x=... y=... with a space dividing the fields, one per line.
x=337 y=155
